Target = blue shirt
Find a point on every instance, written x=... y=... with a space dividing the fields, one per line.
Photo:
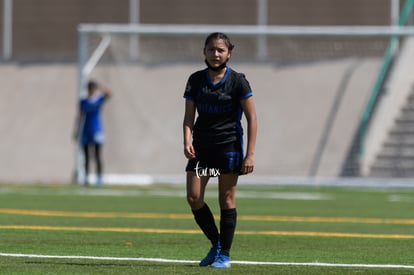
x=91 y=128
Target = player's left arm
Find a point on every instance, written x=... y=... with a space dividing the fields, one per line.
x=250 y=113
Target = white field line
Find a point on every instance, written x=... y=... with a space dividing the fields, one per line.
x=160 y=260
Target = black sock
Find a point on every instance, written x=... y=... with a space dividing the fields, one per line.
x=205 y=220
x=227 y=228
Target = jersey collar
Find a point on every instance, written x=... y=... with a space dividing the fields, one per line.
x=226 y=74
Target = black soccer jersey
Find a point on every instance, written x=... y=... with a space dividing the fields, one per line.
x=218 y=106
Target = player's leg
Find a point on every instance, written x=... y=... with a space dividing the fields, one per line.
x=202 y=214
x=98 y=159
x=86 y=162
x=196 y=187
x=228 y=217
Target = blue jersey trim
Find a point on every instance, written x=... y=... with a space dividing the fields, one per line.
x=227 y=73
x=189 y=98
x=246 y=96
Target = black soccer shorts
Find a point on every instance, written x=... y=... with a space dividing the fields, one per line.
x=215 y=160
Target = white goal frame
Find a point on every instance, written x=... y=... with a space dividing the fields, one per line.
x=86 y=63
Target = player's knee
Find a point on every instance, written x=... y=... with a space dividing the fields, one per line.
x=195 y=201
x=192 y=199
x=227 y=202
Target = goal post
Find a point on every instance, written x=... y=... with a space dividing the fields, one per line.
x=331 y=61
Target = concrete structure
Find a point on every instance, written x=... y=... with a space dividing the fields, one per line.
x=294 y=102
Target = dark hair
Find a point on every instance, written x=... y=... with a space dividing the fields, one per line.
x=219 y=35
x=92 y=85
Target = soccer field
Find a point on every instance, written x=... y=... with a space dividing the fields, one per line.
x=59 y=229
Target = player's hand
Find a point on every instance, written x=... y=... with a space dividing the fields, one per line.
x=247 y=165
x=189 y=151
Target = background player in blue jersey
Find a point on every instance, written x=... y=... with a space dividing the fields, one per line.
x=213 y=144
x=90 y=127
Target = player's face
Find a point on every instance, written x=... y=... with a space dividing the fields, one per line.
x=216 y=52
x=92 y=91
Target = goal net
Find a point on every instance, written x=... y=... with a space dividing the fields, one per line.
x=315 y=89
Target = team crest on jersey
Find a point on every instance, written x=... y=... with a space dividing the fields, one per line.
x=223 y=95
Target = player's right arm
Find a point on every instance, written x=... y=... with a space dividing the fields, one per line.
x=188 y=124
x=106 y=91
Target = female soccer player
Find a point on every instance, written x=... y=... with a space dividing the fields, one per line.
x=90 y=126
x=213 y=144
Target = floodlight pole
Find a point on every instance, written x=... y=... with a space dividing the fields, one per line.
x=134 y=10
x=7 y=28
x=395 y=16
x=395 y=12
x=262 y=7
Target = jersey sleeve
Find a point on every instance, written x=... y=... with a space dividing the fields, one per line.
x=92 y=105
x=245 y=90
x=101 y=99
x=189 y=91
